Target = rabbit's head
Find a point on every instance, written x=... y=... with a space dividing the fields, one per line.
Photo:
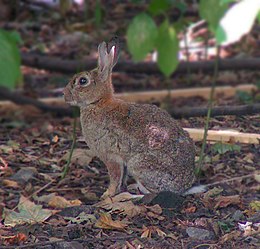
x=91 y=87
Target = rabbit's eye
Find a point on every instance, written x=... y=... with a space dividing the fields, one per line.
x=83 y=81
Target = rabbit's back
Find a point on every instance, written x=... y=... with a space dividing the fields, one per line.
x=130 y=132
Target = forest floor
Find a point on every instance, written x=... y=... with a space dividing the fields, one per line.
x=39 y=209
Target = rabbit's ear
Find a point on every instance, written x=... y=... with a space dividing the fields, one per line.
x=107 y=56
x=105 y=59
x=114 y=42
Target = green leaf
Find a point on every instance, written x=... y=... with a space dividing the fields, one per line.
x=10 y=59
x=168 y=47
x=258 y=17
x=222 y=148
x=141 y=36
x=245 y=97
x=212 y=11
x=237 y=22
x=157 y=7
x=98 y=13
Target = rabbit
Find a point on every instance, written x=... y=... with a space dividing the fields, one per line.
x=137 y=140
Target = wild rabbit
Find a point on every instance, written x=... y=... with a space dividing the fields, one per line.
x=138 y=140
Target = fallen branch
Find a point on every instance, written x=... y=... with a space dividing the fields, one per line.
x=72 y=66
x=240 y=110
x=57 y=105
x=224 y=136
x=23 y=100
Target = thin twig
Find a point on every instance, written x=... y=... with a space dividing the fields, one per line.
x=35 y=193
x=232 y=179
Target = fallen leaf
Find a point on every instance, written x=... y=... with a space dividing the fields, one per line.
x=105 y=222
x=6 y=149
x=148 y=231
x=224 y=201
x=154 y=212
x=82 y=217
x=61 y=202
x=257 y=177
x=55 y=139
x=230 y=236
x=155 y=209
x=122 y=203
x=28 y=213
x=10 y=183
x=255 y=205
x=212 y=192
x=15 y=239
x=57 y=201
x=189 y=210
x=80 y=156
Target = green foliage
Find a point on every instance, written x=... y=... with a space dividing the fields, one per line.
x=222 y=20
x=226 y=226
x=222 y=148
x=98 y=13
x=245 y=97
x=10 y=60
x=141 y=36
x=168 y=48
x=242 y=15
x=157 y=7
x=212 y=11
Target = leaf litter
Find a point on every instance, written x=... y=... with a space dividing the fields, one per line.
x=40 y=141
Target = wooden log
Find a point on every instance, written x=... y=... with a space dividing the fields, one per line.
x=224 y=136
x=72 y=66
x=223 y=91
x=147 y=96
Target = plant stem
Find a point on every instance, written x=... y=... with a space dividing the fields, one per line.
x=66 y=168
x=210 y=103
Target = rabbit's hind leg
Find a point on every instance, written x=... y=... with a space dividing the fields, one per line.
x=117 y=177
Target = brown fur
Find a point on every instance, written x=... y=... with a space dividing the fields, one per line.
x=141 y=139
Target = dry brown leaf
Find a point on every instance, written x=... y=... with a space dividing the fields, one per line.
x=127 y=208
x=57 y=201
x=230 y=236
x=148 y=231
x=61 y=202
x=105 y=222
x=55 y=139
x=14 y=239
x=155 y=216
x=10 y=183
x=155 y=209
x=224 y=201
x=80 y=156
x=122 y=203
x=189 y=210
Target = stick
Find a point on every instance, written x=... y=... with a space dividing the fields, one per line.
x=224 y=136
